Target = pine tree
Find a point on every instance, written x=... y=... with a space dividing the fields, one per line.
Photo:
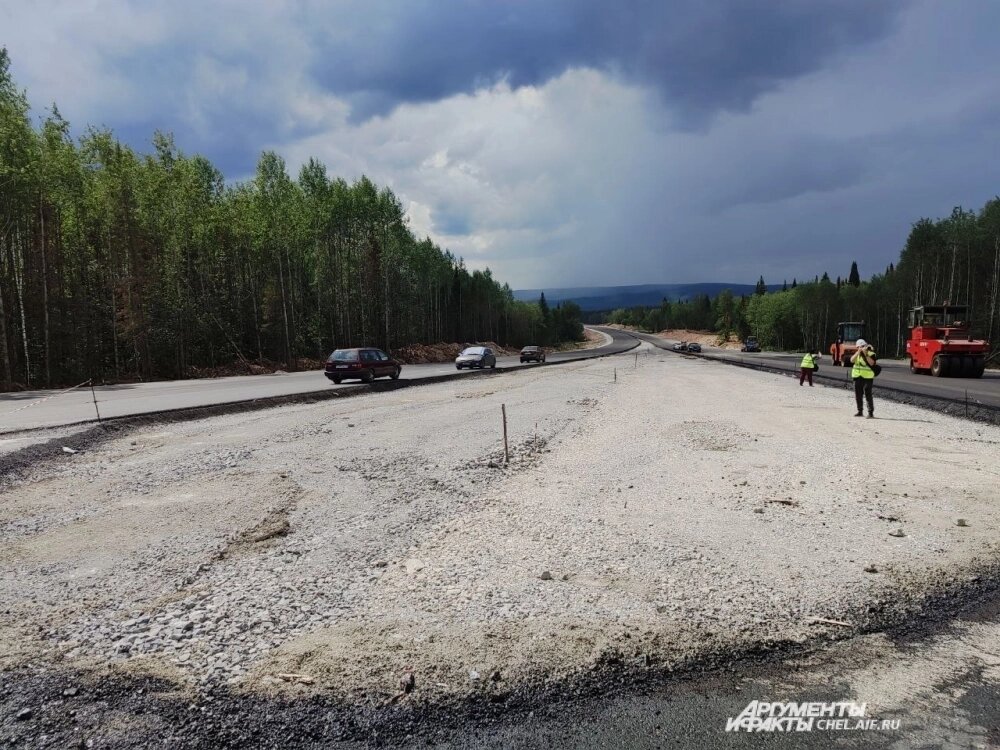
x=761 y=286
x=854 y=279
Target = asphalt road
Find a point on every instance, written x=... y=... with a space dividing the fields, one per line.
x=895 y=374
x=77 y=406
x=898 y=677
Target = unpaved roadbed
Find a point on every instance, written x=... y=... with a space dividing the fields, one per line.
x=686 y=508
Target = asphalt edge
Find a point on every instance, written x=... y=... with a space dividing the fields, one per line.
x=962 y=409
x=186 y=413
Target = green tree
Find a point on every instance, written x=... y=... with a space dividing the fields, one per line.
x=854 y=278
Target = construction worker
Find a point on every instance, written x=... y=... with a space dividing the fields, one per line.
x=807 y=367
x=864 y=376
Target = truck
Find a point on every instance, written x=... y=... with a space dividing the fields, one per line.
x=844 y=347
x=941 y=342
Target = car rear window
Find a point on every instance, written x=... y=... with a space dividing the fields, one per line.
x=344 y=355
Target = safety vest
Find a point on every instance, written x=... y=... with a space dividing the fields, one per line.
x=861 y=368
x=808 y=362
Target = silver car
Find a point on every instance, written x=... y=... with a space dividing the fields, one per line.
x=476 y=356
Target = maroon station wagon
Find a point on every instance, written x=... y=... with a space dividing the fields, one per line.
x=361 y=364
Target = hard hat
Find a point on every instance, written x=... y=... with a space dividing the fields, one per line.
x=861 y=343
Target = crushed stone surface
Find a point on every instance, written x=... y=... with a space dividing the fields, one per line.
x=650 y=512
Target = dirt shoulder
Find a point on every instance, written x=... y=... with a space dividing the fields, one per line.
x=591 y=340
x=705 y=338
x=338 y=548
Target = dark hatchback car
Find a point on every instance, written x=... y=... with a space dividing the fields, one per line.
x=476 y=356
x=363 y=364
x=532 y=354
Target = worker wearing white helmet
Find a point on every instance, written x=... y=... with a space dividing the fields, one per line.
x=864 y=372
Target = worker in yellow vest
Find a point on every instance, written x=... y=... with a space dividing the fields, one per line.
x=864 y=376
x=807 y=367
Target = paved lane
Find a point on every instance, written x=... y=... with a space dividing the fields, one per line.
x=895 y=374
x=143 y=398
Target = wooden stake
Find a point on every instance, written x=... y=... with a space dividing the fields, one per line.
x=93 y=395
x=506 y=450
x=825 y=621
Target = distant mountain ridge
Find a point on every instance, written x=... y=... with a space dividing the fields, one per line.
x=613 y=297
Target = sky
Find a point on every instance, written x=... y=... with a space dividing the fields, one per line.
x=566 y=142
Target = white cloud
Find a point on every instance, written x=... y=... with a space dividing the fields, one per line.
x=507 y=178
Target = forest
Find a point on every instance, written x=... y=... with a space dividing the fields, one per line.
x=115 y=265
x=956 y=259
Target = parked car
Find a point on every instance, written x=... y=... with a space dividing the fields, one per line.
x=476 y=356
x=364 y=364
x=680 y=346
x=532 y=354
x=694 y=346
x=750 y=345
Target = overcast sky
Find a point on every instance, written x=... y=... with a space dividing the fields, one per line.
x=566 y=142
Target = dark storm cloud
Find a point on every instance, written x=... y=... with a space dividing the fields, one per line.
x=791 y=167
x=451 y=222
x=590 y=142
x=701 y=56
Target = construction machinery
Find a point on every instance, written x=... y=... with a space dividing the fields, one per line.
x=844 y=347
x=941 y=342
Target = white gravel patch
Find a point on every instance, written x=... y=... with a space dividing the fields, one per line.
x=686 y=506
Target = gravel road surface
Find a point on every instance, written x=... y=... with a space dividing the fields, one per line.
x=655 y=513
x=54 y=408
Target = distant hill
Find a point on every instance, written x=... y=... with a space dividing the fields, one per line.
x=612 y=297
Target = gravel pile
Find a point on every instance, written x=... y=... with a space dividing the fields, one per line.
x=646 y=517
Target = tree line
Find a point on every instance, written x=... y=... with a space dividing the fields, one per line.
x=955 y=259
x=118 y=265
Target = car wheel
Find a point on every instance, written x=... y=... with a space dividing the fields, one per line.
x=369 y=376
x=395 y=375
x=493 y=365
x=336 y=381
x=938 y=367
x=458 y=367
